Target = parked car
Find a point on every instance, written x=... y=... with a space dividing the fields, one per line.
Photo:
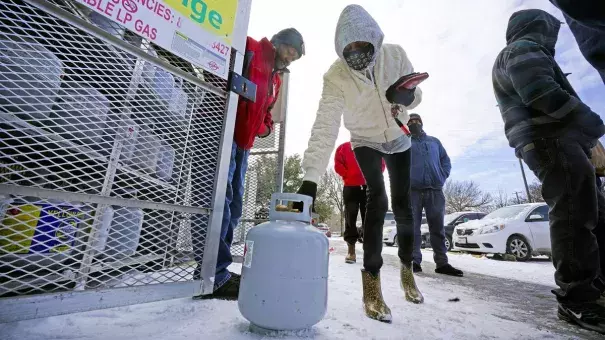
x=450 y=221
x=521 y=230
x=359 y=232
x=389 y=230
x=324 y=228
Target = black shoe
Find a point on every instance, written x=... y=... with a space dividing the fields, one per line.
x=588 y=315
x=449 y=270
x=228 y=291
x=416 y=268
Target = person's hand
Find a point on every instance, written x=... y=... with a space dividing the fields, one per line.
x=264 y=132
x=402 y=91
x=308 y=189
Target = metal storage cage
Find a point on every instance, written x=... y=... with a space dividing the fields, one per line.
x=110 y=146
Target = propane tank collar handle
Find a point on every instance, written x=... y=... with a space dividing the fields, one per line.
x=304 y=216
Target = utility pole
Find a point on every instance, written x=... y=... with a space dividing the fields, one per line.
x=518 y=199
x=525 y=182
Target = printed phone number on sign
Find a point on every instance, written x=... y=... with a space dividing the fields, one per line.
x=124 y=11
x=221 y=48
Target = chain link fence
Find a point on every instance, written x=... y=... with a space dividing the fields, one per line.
x=107 y=154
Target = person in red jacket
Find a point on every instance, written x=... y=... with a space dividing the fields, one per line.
x=353 y=195
x=264 y=62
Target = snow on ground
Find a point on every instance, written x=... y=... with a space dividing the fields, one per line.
x=472 y=318
x=538 y=271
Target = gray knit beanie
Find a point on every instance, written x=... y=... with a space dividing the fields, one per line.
x=291 y=37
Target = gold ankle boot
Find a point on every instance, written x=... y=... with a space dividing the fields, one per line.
x=412 y=293
x=351 y=257
x=373 y=303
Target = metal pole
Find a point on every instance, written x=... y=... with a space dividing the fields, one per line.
x=525 y=181
x=282 y=134
x=518 y=200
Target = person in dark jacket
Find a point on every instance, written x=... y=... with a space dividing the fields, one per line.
x=353 y=195
x=586 y=19
x=264 y=61
x=553 y=131
x=431 y=167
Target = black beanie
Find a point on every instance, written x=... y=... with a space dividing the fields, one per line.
x=415 y=116
x=291 y=37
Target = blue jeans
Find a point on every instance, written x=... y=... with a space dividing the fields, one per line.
x=433 y=202
x=586 y=19
x=232 y=212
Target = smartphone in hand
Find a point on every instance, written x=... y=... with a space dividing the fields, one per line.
x=401 y=91
x=412 y=80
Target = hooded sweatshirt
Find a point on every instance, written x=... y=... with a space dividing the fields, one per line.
x=359 y=97
x=534 y=96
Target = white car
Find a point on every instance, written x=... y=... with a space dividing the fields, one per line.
x=521 y=230
x=450 y=221
x=389 y=230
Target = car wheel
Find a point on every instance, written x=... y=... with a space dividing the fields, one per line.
x=519 y=247
x=448 y=243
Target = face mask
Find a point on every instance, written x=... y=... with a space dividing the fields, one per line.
x=415 y=129
x=359 y=59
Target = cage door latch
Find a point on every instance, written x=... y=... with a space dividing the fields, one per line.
x=242 y=86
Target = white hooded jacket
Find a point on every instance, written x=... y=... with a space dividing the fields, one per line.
x=349 y=93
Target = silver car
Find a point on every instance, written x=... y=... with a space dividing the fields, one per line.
x=389 y=230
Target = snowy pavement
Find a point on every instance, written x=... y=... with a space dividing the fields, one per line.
x=538 y=270
x=495 y=306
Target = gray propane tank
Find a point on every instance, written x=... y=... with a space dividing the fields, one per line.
x=284 y=283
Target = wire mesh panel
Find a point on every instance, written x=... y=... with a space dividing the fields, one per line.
x=106 y=158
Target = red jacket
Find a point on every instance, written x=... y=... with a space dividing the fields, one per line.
x=253 y=118
x=346 y=166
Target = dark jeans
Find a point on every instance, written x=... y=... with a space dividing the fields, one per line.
x=433 y=202
x=232 y=212
x=586 y=19
x=576 y=207
x=398 y=166
x=354 y=199
x=599 y=231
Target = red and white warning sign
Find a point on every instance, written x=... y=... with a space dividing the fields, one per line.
x=248 y=251
x=163 y=23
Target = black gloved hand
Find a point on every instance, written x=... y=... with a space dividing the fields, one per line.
x=402 y=91
x=307 y=188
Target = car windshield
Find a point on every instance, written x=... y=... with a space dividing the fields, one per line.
x=450 y=217
x=506 y=212
x=423 y=220
x=390 y=216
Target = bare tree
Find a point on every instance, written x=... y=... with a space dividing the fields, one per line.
x=535 y=190
x=462 y=196
x=331 y=187
x=501 y=200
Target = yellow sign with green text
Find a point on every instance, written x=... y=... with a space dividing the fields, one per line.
x=215 y=16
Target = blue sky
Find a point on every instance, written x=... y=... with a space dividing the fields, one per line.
x=495 y=166
x=457 y=43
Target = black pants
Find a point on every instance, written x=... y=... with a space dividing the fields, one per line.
x=576 y=213
x=586 y=19
x=354 y=199
x=398 y=166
